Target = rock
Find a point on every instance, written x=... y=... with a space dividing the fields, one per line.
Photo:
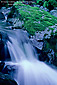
x=55 y=8
x=39 y=36
x=46 y=9
x=41 y=7
x=11 y=70
x=3 y=47
x=16 y=23
x=42 y=55
x=5 y=11
x=54 y=12
x=42 y=41
x=2 y=17
x=38 y=5
x=55 y=61
x=2 y=65
x=6 y=80
x=12 y=19
x=3 y=8
x=37 y=44
x=13 y=13
x=4 y=53
x=38 y=39
x=9 y=27
x=51 y=56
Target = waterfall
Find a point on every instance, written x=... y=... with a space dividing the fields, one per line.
x=30 y=70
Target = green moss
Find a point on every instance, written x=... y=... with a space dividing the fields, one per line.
x=31 y=16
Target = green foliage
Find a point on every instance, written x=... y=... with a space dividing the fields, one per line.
x=40 y=2
x=45 y=4
x=50 y=4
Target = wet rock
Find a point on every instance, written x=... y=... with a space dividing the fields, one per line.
x=55 y=8
x=51 y=55
x=2 y=17
x=38 y=39
x=42 y=55
x=6 y=12
x=12 y=19
x=41 y=7
x=46 y=9
x=4 y=53
x=16 y=23
x=55 y=61
x=2 y=65
x=9 y=27
x=54 y=12
x=13 y=13
x=39 y=36
x=37 y=44
x=42 y=41
x=46 y=56
x=9 y=68
x=6 y=80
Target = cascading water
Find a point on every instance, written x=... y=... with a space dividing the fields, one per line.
x=30 y=70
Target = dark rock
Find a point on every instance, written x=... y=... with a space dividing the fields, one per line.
x=2 y=65
x=12 y=20
x=51 y=55
x=16 y=23
x=9 y=68
x=6 y=80
x=4 y=53
x=6 y=12
x=55 y=61
x=13 y=13
x=42 y=55
x=2 y=17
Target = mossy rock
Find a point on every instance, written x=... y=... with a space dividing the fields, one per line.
x=31 y=17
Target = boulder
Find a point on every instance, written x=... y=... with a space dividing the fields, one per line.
x=9 y=69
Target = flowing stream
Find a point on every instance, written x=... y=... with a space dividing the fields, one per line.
x=30 y=70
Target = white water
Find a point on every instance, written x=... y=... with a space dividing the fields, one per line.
x=30 y=70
